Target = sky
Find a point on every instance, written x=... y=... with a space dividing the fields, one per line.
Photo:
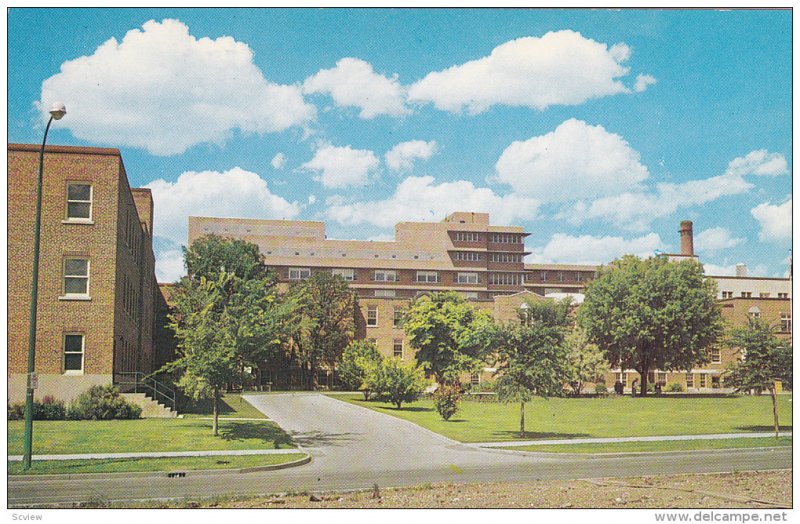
x=596 y=130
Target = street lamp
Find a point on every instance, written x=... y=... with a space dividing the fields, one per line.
x=57 y=112
x=524 y=311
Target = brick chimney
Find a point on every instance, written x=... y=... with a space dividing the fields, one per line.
x=687 y=238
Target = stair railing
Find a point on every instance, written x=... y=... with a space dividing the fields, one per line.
x=137 y=382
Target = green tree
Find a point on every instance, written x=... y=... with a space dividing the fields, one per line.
x=444 y=329
x=532 y=356
x=358 y=358
x=761 y=361
x=585 y=362
x=212 y=255
x=652 y=314
x=395 y=381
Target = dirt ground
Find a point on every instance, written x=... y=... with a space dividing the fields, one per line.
x=771 y=489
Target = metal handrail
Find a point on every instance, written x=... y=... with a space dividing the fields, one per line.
x=160 y=391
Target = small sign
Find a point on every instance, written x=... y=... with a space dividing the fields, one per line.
x=33 y=380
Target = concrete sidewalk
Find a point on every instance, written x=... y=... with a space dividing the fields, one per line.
x=160 y=454
x=624 y=439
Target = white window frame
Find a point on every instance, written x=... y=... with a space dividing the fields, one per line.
x=429 y=277
x=786 y=322
x=783 y=295
x=467 y=278
x=727 y=294
x=296 y=273
x=82 y=353
x=394 y=348
x=347 y=274
x=467 y=236
x=689 y=380
x=385 y=275
x=715 y=356
x=372 y=309
x=80 y=220
x=385 y=293
x=64 y=277
x=397 y=318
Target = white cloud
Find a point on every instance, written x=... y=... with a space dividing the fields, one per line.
x=715 y=270
x=576 y=160
x=759 y=162
x=312 y=199
x=642 y=81
x=559 y=68
x=233 y=193
x=169 y=265
x=353 y=83
x=775 y=221
x=715 y=239
x=163 y=90
x=419 y=198
x=588 y=249
x=342 y=166
x=278 y=161
x=402 y=156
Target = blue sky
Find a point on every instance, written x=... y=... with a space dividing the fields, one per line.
x=596 y=130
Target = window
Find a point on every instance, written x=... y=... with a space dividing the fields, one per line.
x=727 y=294
x=299 y=273
x=397 y=318
x=505 y=238
x=561 y=276
x=73 y=353
x=578 y=276
x=470 y=256
x=470 y=295
x=428 y=276
x=385 y=293
x=746 y=294
x=506 y=257
x=543 y=276
x=702 y=380
x=466 y=236
x=716 y=358
x=783 y=295
x=689 y=380
x=372 y=316
x=763 y=295
x=398 y=347
x=383 y=275
x=786 y=322
x=347 y=274
x=79 y=201
x=76 y=277
x=475 y=379
x=504 y=279
x=467 y=278
x=715 y=382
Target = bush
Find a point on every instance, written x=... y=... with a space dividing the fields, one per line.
x=446 y=400
x=600 y=388
x=357 y=359
x=16 y=410
x=675 y=388
x=396 y=382
x=49 y=409
x=102 y=403
x=484 y=387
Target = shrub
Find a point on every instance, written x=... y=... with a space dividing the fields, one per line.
x=675 y=387
x=49 y=409
x=396 y=382
x=600 y=388
x=16 y=410
x=102 y=403
x=357 y=359
x=446 y=400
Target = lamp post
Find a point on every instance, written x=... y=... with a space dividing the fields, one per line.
x=56 y=113
x=524 y=311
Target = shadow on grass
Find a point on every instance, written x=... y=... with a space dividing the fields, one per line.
x=242 y=430
x=205 y=408
x=538 y=435
x=764 y=429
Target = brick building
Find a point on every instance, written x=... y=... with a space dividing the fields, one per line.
x=97 y=286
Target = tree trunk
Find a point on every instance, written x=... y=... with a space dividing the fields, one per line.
x=643 y=374
x=521 y=420
x=216 y=412
x=774 y=408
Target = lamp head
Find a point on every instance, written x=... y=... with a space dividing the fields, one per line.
x=58 y=110
x=524 y=306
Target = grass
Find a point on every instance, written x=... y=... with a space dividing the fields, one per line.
x=119 y=436
x=52 y=467
x=667 y=445
x=232 y=405
x=559 y=418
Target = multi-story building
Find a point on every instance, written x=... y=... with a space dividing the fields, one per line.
x=97 y=286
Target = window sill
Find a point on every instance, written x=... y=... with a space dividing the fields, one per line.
x=73 y=373
x=80 y=298
x=81 y=221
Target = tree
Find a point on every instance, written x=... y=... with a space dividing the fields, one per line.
x=395 y=381
x=327 y=316
x=442 y=327
x=762 y=361
x=212 y=255
x=652 y=314
x=358 y=358
x=585 y=362
x=532 y=355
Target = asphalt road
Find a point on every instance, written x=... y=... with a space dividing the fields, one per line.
x=356 y=448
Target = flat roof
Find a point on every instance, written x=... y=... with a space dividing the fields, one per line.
x=75 y=150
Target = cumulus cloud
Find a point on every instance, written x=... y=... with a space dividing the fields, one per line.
x=169 y=265
x=342 y=166
x=278 y=161
x=760 y=162
x=163 y=90
x=588 y=249
x=233 y=193
x=402 y=156
x=559 y=68
x=716 y=239
x=420 y=198
x=576 y=160
x=775 y=221
x=642 y=81
x=715 y=270
x=353 y=83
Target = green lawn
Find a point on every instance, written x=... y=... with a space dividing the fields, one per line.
x=667 y=445
x=52 y=467
x=559 y=418
x=117 y=436
x=232 y=405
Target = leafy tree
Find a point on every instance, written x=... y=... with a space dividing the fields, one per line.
x=445 y=330
x=446 y=399
x=586 y=363
x=358 y=358
x=325 y=321
x=652 y=314
x=532 y=356
x=762 y=358
x=395 y=381
x=212 y=255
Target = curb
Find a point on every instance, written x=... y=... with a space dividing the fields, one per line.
x=299 y=462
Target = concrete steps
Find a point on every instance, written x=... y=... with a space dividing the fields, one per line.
x=150 y=408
